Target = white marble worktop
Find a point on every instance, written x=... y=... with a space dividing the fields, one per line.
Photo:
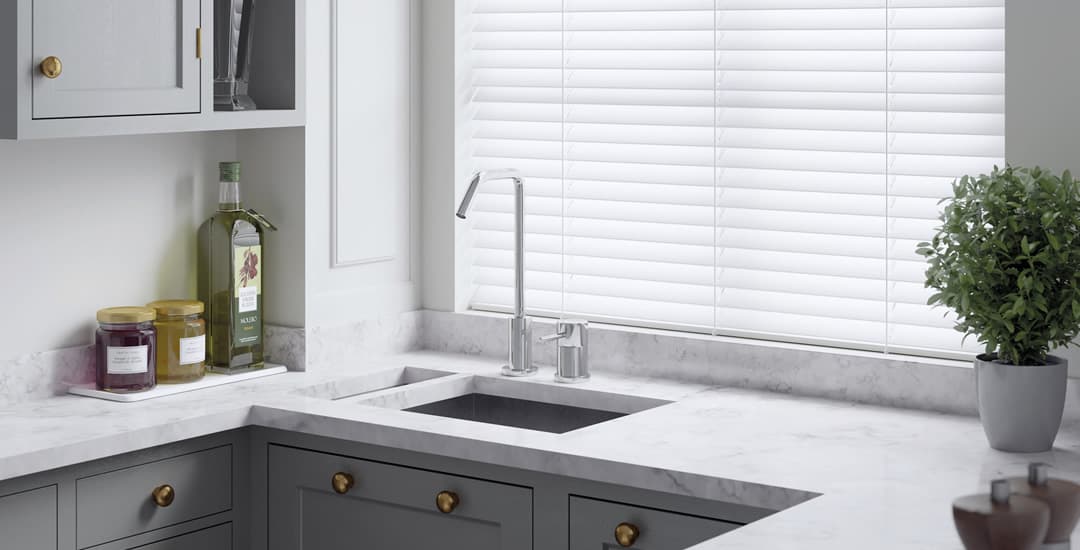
x=886 y=476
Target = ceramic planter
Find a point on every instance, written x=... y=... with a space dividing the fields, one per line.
x=1021 y=406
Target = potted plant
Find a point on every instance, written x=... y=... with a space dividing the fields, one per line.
x=1006 y=259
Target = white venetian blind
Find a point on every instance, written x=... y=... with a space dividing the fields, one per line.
x=748 y=167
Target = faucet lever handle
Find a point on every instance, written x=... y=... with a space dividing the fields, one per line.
x=558 y=335
x=571 y=332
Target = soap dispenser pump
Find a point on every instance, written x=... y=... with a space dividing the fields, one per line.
x=1001 y=520
x=1063 y=498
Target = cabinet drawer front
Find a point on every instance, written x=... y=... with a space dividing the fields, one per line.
x=119 y=504
x=28 y=520
x=213 y=538
x=119 y=57
x=388 y=507
x=593 y=523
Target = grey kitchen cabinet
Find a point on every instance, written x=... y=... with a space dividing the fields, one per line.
x=28 y=520
x=320 y=501
x=115 y=57
x=122 y=503
x=91 y=68
x=212 y=538
x=599 y=525
x=110 y=504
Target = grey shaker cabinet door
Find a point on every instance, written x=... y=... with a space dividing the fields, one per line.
x=118 y=57
x=218 y=537
x=388 y=507
x=593 y=524
x=119 y=504
x=28 y=520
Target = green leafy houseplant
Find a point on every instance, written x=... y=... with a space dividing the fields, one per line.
x=1006 y=259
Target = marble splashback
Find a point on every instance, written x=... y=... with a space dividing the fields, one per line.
x=348 y=346
x=861 y=377
x=44 y=374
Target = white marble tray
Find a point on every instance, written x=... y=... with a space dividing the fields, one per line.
x=209 y=381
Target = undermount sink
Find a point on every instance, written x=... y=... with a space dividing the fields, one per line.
x=516 y=413
x=513 y=403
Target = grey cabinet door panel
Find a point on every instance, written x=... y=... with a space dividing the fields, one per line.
x=593 y=523
x=213 y=538
x=120 y=57
x=118 y=504
x=388 y=508
x=28 y=520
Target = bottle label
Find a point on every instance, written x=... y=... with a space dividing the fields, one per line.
x=247 y=322
x=193 y=350
x=127 y=359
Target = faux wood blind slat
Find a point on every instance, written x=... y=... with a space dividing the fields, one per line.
x=757 y=168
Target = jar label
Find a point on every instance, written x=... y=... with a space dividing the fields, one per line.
x=127 y=359
x=193 y=350
x=247 y=319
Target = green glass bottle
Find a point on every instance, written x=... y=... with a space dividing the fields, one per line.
x=231 y=279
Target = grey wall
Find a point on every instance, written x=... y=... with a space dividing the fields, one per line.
x=91 y=223
x=1042 y=84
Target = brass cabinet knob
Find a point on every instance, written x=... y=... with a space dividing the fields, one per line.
x=51 y=67
x=626 y=534
x=342 y=482
x=447 y=501
x=163 y=495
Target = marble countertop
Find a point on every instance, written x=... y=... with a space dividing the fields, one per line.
x=886 y=477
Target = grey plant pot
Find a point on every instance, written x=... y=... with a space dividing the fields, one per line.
x=1021 y=407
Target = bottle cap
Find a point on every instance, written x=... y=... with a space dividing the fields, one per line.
x=230 y=171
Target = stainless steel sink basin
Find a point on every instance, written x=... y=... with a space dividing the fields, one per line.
x=517 y=413
x=552 y=408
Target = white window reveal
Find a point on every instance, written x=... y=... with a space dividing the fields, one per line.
x=758 y=168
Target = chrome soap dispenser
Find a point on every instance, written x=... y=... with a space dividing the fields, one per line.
x=573 y=357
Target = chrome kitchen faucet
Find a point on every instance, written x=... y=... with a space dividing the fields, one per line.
x=520 y=363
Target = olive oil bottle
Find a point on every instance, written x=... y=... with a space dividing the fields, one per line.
x=231 y=266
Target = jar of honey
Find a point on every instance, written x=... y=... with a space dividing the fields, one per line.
x=125 y=350
x=181 y=340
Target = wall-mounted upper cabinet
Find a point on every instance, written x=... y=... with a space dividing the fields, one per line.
x=74 y=68
x=116 y=57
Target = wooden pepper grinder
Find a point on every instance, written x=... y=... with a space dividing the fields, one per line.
x=1000 y=520
x=1063 y=498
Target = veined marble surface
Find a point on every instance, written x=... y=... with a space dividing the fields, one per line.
x=813 y=371
x=886 y=477
x=45 y=374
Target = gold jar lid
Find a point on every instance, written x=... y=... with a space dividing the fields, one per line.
x=176 y=308
x=125 y=314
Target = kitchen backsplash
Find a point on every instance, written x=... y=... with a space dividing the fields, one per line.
x=894 y=381
x=44 y=374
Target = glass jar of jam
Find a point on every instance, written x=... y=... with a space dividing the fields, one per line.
x=181 y=340
x=126 y=351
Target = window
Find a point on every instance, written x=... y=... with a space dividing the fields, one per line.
x=758 y=168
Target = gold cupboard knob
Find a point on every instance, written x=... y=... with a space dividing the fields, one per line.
x=447 y=501
x=51 y=67
x=163 y=495
x=626 y=534
x=342 y=482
